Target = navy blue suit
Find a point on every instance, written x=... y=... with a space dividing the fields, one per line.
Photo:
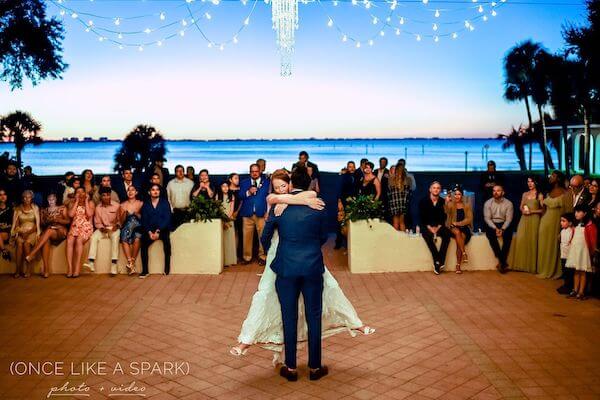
x=299 y=268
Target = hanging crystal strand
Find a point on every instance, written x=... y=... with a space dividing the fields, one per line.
x=285 y=23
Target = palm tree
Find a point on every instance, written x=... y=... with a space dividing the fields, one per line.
x=518 y=73
x=516 y=139
x=140 y=149
x=20 y=128
x=582 y=43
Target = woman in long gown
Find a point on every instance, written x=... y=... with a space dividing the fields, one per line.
x=263 y=325
x=555 y=204
x=526 y=242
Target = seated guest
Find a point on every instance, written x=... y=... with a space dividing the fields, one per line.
x=26 y=229
x=190 y=173
x=229 y=246
x=81 y=211
x=107 y=224
x=123 y=184
x=204 y=187
x=314 y=182
x=498 y=215
x=88 y=182
x=105 y=183
x=54 y=223
x=593 y=198
x=433 y=225
x=131 y=231
x=6 y=218
x=178 y=193
x=399 y=185
x=156 y=225
x=69 y=193
x=368 y=184
x=460 y=223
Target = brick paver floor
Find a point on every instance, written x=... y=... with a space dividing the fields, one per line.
x=479 y=335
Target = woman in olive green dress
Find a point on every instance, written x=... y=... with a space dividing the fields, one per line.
x=555 y=204
x=526 y=241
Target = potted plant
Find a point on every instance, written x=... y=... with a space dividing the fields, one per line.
x=363 y=207
x=198 y=244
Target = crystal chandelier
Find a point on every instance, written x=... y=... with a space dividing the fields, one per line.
x=285 y=23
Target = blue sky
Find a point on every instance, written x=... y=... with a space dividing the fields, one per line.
x=399 y=87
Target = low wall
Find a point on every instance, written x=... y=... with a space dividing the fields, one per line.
x=375 y=246
x=196 y=248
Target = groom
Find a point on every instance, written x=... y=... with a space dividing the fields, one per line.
x=299 y=268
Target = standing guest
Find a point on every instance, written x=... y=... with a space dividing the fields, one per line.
x=12 y=184
x=26 y=229
x=87 y=182
x=253 y=193
x=63 y=184
x=156 y=225
x=596 y=260
x=131 y=233
x=155 y=180
x=69 y=193
x=399 y=186
x=204 y=187
x=123 y=185
x=159 y=168
x=489 y=179
x=347 y=190
x=498 y=215
x=526 y=241
x=433 y=225
x=556 y=203
x=229 y=247
x=361 y=168
x=234 y=187
x=108 y=226
x=54 y=222
x=369 y=185
x=178 y=193
x=6 y=218
x=190 y=173
x=105 y=183
x=566 y=236
x=382 y=171
x=314 y=182
x=262 y=164
x=303 y=161
x=579 y=253
x=460 y=223
x=30 y=181
x=593 y=197
x=413 y=181
x=579 y=194
x=80 y=211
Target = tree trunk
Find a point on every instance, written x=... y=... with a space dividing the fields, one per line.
x=530 y=129
x=564 y=141
x=520 y=152
x=586 y=141
x=544 y=145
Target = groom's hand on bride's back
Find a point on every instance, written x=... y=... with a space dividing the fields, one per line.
x=316 y=203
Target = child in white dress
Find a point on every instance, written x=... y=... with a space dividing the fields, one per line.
x=566 y=235
x=579 y=254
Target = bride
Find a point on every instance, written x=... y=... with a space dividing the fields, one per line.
x=263 y=325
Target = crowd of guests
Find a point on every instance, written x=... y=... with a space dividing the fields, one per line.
x=556 y=235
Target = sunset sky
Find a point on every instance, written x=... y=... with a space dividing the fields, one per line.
x=399 y=87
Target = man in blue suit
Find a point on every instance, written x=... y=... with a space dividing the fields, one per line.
x=253 y=193
x=299 y=268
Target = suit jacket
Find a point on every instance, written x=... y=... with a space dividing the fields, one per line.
x=309 y=164
x=302 y=232
x=256 y=204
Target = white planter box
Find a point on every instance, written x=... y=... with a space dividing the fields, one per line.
x=375 y=246
x=197 y=248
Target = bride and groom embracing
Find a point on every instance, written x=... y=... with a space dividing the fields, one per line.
x=298 y=299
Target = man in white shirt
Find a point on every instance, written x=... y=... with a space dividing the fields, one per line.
x=178 y=193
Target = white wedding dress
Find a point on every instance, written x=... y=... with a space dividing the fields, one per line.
x=263 y=325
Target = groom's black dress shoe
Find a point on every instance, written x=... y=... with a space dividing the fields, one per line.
x=291 y=376
x=318 y=374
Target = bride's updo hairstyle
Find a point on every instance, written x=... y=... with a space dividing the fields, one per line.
x=280 y=174
x=300 y=178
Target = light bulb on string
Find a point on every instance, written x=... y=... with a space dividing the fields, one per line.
x=207 y=16
x=162 y=16
x=425 y=1
x=394 y=5
x=120 y=36
x=494 y=13
x=147 y=31
x=210 y=45
x=244 y=2
x=436 y=39
x=371 y=42
x=159 y=43
x=437 y=13
x=222 y=47
x=182 y=33
x=120 y=47
x=357 y=45
x=388 y=19
x=101 y=38
x=87 y=29
x=485 y=18
x=401 y=20
x=235 y=40
x=62 y=12
x=418 y=38
x=117 y=21
x=354 y=2
x=183 y=22
x=247 y=21
x=494 y=4
x=344 y=38
x=216 y=2
x=375 y=20
x=90 y=23
x=471 y=28
x=454 y=35
x=397 y=31
x=335 y=3
x=480 y=8
x=381 y=33
x=330 y=23
x=140 y=48
x=74 y=15
x=435 y=27
x=467 y=24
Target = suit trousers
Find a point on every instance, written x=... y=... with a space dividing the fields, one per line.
x=250 y=225
x=288 y=292
x=439 y=256
x=501 y=253
x=114 y=243
x=146 y=242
